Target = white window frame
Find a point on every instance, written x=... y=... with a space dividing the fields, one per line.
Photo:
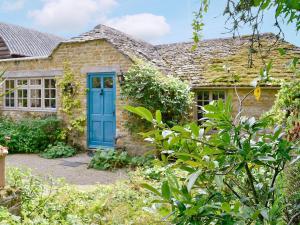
x=29 y=88
x=210 y=99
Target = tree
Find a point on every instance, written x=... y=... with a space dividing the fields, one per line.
x=251 y=13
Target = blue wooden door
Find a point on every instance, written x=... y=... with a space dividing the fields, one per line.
x=101 y=110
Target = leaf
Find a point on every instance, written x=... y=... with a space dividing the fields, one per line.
x=150 y=188
x=257 y=93
x=165 y=190
x=193 y=179
x=226 y=207
x=140 y=111
x=266 y=158
x=158 y=116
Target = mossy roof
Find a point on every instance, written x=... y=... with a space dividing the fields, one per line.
x=204 y=66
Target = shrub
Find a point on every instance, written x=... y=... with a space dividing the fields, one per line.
x=292 y=190
x=58 y=150
x=121 y=203
x=111 y=159
x=29 y=135
x=146 y=86
x=229 y=176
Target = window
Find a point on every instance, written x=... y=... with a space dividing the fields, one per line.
x=10 y=94
x=205 y=97
x=38 y=93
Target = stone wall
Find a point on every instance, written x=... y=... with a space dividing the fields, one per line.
x=87 y=57
x=251 y=106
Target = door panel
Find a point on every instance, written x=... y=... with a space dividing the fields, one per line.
x=101 y=109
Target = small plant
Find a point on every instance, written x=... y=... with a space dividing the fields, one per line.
x=111 y=159
x=58 y=150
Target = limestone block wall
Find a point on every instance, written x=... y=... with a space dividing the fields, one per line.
x=251 y=106
x=87 y=57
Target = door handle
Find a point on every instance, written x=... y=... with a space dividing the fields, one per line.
x=101 y=92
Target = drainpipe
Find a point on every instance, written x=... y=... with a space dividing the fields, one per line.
x=3 y=154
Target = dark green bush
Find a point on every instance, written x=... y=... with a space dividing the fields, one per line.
x=111 y=159
x=29 y=135
x=58 y=150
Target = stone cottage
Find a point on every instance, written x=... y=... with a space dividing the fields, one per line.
x=35 y=60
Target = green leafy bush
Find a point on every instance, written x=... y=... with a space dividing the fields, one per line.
x=111 y=159
x=29 y=135
x=146 y=86
x=58 y=203
x=58 y=150
x=287 y=101
x=229 y=176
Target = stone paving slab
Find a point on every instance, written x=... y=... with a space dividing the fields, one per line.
x=73 y=170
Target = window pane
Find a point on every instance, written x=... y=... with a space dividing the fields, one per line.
x=47 y=93
x=36 y=103
x=36 y=82
x=47 y=103
x=22 y=82
x=222 y=95
x=53 y=103
x=35 y=93
x=108 y=82
x=53 y=83
x=96 y=82
x=53 y=93
x=47 y=83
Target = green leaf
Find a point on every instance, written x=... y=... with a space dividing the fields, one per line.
x=141 y=111
x=150 y=188
x=158 y=116
x=226 y=207
x=165 y=190
x=192 y=180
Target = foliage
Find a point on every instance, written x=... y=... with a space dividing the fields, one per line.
x=29 y=135
x=244 y=12
x=147 y=86
x=54 y=202
x=241 y=13
x=58 y=150
x=110 y=159
x=71 y=105
x=288 y=100
x=292 y=189
x=232 y=168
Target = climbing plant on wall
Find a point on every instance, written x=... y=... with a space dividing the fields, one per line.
x=146 y=86
x=71 y=105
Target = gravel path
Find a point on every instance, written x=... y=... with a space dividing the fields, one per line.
x=73 y=170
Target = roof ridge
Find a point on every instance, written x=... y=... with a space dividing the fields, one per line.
x=241 y=37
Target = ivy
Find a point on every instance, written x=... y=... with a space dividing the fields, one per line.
x=70 y=104
x=146 y=86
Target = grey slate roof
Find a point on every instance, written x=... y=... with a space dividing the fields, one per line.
x=27 y=42
x=126 y=44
